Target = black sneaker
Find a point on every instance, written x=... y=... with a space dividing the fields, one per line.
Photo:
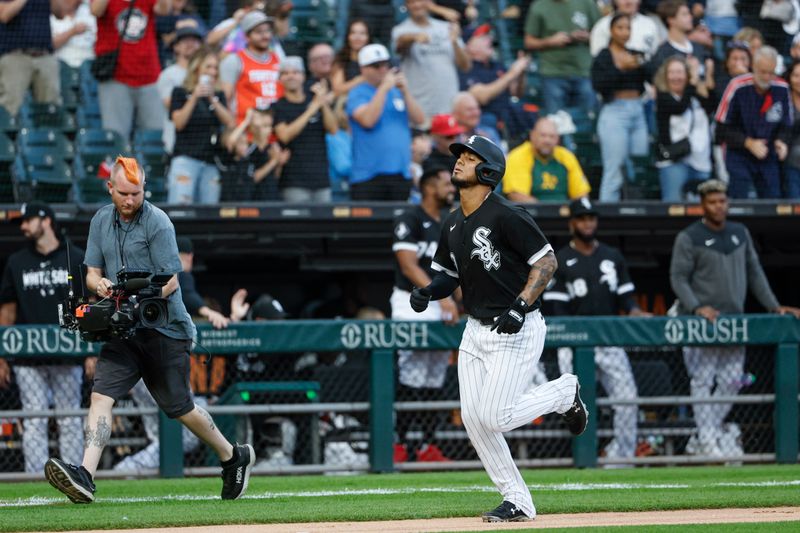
x=235 y=476
x=506 y=512
x=74 y=481
x=576 y=416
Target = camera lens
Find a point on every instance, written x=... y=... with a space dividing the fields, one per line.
x=153 y=313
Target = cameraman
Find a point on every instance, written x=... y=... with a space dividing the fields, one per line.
x=134 y=235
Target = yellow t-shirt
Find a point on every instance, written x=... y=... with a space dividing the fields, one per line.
x=558 y=178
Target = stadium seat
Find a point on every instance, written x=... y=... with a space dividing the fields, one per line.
x=42 y=177
x=149 y=141
x=45 y=140
x=156 y=189
x=8 y=124
x=90 y=186
x=39 y=115
x=155 y=166
x=100 y=142
x=7 y=156
x=88 y=116
x=644 y=183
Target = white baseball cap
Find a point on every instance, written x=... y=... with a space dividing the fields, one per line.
x=372 y=53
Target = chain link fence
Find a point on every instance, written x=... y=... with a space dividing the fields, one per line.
x=311 y=410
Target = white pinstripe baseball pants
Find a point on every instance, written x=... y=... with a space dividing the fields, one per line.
x=495 y=377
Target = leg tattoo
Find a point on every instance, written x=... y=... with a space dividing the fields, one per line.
x=207 y=416
x=100 y=436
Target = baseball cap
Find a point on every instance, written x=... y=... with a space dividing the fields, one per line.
x=477 y=31
x=445 y=125
x=253 y=19
x=580 y=207
x=36 y=209
x=185 y=245
x=293 y=63
x=372 y=53
x=187 y=31
x=432 y=168
x=268 y=308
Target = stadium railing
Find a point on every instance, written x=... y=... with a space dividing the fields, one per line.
x=380 y=339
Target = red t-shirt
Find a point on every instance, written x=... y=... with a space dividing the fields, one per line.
x=138 y=63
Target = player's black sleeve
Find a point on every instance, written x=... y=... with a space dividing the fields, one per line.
x=556 y=298
x=523 y=236
x=626 y=289
x=444 y=261
x=407 y=233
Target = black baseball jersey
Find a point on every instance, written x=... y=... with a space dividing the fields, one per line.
x=416 y=231
x=596 y=284
x=490 y=252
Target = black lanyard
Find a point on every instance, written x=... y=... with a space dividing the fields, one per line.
x=118 y=227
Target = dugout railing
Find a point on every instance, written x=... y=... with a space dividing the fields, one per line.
x=380 y=339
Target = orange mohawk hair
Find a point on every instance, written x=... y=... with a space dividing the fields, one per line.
x=131 y=168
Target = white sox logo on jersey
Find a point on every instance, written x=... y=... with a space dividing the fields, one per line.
x=484 y=250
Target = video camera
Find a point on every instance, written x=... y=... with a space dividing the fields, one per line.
x=135 y=301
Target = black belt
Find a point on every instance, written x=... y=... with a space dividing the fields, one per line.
x=33 y=52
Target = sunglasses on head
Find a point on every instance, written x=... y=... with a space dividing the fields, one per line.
x=738 y=45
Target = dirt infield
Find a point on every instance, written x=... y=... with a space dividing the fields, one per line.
x=583 y=520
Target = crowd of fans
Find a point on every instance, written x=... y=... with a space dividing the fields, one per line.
x=699 y=90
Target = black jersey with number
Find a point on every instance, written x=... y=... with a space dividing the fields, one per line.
x=416 y=231
x=490 y=252
x=596 y=284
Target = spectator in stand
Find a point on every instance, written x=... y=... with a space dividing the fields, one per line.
x=445 y=130
x=280 y=11
x=467 y=112
x=774 y=32
x=340 y=154
x=74 y=33
x=737 y=62
x=791 y=183
x=301 y=121
x=541 y=170
x=754 y=122
x=755 y=40
x=794 y=51
x=199 y=112
x=421 y=148
x=496 y=88
x=228 y=35
x=320 y=64
x=380 y=110
x=345 y=73
x=684 y=136
x=677 y=18
x=425 y=46
x=187 y=41
x=559 y=31
x=378 y=15
x=714 y=262
x=252 y=171
x=181 y=12
x=26 y=56
x=618 y=76
x=250 y=76
x=644 y=33
x=133 y=87
x=723 y=21
x=34 y=283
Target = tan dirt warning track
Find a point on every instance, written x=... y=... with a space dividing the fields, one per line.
x=578 y=520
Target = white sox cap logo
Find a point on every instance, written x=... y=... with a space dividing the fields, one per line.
x=484 y=250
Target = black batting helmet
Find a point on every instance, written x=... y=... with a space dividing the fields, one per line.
x=491 y=171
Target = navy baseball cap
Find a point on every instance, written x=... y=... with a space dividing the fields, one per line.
x=31 y=210
x=268 y=308
x=580 y=207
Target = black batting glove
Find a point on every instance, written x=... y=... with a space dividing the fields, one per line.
x=419 y=299
x=512 y=318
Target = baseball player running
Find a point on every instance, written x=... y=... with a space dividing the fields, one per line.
x=593 y=279
x=502 y=261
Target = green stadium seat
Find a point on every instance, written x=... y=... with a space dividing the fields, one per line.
x=39 y=115
x=42 y=177
x=150 y=141
x=8 y=123
x=88 y=117
x=644 y=183
x=89 y=188
x=45 y=140
x=100 y=142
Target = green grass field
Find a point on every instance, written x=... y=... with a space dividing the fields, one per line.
x=152 y=503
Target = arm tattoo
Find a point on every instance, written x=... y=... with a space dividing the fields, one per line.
x=98 y=437
x=207 y=416
x=540 y=275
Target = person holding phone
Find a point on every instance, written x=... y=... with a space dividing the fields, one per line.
x=199 y=111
